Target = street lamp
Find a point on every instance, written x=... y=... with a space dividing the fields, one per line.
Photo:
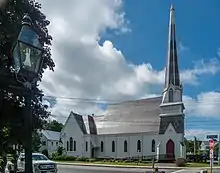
x=27 y=54
x=27 y=61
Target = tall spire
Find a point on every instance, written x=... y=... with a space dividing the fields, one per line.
x=172 y=70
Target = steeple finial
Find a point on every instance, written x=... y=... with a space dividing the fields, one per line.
x=172 y=70
x=171 y=7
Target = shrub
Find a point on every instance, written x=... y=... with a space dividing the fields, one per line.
x=64 y=158
x=82 y=159
x=60 y=151
x=45 y=152
x=92 y=160
x=54 y=154
x=180 y=162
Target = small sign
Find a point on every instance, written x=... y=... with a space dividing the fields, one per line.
x=211 y=144
x=212 y=136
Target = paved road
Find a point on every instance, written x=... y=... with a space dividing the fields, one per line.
x=90 y=169
x=194 y=170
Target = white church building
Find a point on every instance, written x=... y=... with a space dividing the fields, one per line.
x=152 y=127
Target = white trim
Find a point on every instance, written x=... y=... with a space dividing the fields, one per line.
x=171 y=114
x=171 y=104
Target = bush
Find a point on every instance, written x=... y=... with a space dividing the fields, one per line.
x=65 y=158
x=180 y=162
x=60 y=151
x=54 y=154
x=45 y=152
x=82 y=159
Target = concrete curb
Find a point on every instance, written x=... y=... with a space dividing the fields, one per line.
x=131 y=166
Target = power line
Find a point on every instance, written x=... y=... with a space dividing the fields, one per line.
x=141 y=121
x=113 y=102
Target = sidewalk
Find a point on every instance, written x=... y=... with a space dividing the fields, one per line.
x=160 y=166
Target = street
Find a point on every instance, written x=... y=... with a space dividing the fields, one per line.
x=90 y=169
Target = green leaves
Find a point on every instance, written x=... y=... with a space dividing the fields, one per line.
x=12 y=112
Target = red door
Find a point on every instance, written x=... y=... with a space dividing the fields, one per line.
x=170 y=148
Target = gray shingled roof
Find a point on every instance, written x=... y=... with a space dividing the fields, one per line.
x=51 y=135
x=80 y=122
x=130 y=117
x=90 y=124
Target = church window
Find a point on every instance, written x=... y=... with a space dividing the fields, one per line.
x=71 y=144
x=113 y=146
x=86 y=145
x=138 y=146
x=74 y=146
x=170 y=95
x=102 y=146
x=125 y=146
x=67 y=146
x=153 y=146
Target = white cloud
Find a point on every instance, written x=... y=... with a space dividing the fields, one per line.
x=206 y=104
x=200 y=133
x=182 y=47
x=86 y=68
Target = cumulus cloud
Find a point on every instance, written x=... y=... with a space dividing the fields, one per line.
x=88 y=68
x=205 y=104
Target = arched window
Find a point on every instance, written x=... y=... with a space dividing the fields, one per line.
x=74 y=146
x=71 y=144
x=153 y=146
x=86 y=146
x=113 y=146
x=67 y=146
x=102 y=146
x=125 y=146
x=138 y=146
x=170 y=95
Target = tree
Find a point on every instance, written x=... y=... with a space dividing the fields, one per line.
x=54 y=126
x=190 y=145
x=12 y=103
x=36 y=141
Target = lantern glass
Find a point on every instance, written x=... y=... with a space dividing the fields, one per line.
x=30 y=57
x=27 y=52
x=30 y=37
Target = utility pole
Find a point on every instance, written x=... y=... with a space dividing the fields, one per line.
x=219 y=149
x=194 y=151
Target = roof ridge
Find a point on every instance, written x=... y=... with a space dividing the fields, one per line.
x=129 y=101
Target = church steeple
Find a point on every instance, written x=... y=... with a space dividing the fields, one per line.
x=172 y=70
x=172 y=107
x=172 y=88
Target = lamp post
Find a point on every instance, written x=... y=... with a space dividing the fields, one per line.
x=27 y=61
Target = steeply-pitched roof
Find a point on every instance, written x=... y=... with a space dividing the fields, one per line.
x=80 y=122
x=51 y=135
x=131 y=117
x=90 y=124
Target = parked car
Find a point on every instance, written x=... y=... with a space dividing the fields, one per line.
x=41 y=164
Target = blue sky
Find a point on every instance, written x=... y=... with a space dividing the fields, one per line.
x=116 y=65
x=198 y=27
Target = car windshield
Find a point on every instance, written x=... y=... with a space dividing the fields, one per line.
x=39 y=157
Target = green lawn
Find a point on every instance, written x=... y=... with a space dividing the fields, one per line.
x=199 y=164
x=135 y=164
x=110 y=163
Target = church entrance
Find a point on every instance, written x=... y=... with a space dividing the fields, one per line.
x=170 y=149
